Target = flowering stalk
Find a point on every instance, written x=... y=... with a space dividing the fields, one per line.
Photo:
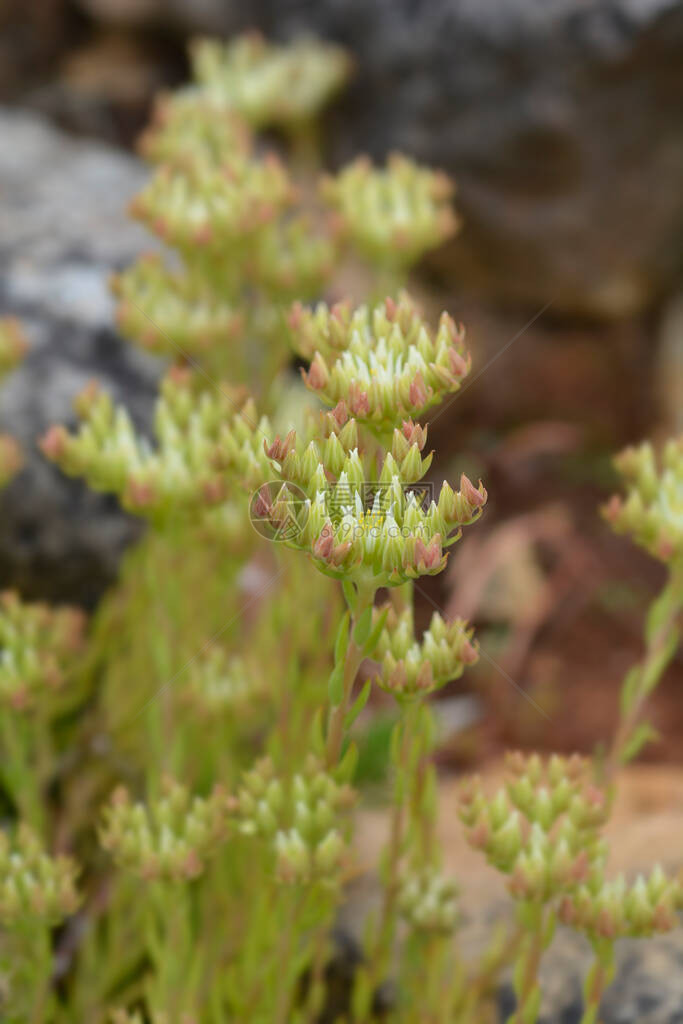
x=37 y=892
x=38 y=649
x=662 y=636
x=355 y=641
x=13 y=347
x=651 y=513
x=598 y=979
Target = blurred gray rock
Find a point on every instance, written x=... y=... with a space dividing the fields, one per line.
x=559 y=120
x=647 y=989
x=63 y=228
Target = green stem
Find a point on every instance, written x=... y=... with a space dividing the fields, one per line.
x=478 y=988
x=380 y=954
x=538 y=924
x=286 y=957
x=661 y=638
x=352 y=661
x=25 y=759
x=599 y=978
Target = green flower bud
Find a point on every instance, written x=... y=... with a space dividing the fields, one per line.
x=34 y=887
x=394 y=215
x=172 y=838
x=267 y=83
x=652 y=511
x=38 y=647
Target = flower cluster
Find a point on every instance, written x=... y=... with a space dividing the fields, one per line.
x=408 y=667
x=299 y=818
x=428 y=901
x=542 y=829
x=228 y=206
x=218 y=683
x=376 y=531
x=171 y=839
x=213 y=208
x=383 y=362
x=37 y=646
x=269 y=84
x=290 y=259
x=190 y=125
x=170 y=312
x=393 y=215
x=34 y=887
x=200 y=436
x=652 y=511
x=359 y=523
x=614 y=909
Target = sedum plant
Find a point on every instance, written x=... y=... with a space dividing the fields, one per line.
x=12 y=351
x=393 y=215
x=37 y=892
x=210 y=728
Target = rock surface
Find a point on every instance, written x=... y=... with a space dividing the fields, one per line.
x=63 y=228
x=559 y=120
x=646 y=827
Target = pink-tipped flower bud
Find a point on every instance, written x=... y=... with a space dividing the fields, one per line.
x=279 y=449
x=54 y=443
x=318 y=375
x=414 y=433
x=340 y=413
x=324 y=545
x=418 y=393
x=459 y=365
x=263 y=504
x=476 y=497
x=358 y=400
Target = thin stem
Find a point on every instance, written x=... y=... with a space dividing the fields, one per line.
x=384 y=935
x=352 y=662
x=598 y=980
x=538 y=924
x=286 y=955
x=484 y=980
x=642 y=680
x=25 y=754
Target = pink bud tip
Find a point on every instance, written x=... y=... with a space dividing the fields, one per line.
x=140 y=493
x=296 y=315
x=479 y=835
x=213 y=491
x=469 y=653
x=418 y=392
x=663 y=918
x=340 y=552
x=317 y=375
x=53 y=444
x=459 y=364
x=358 y=400
x=204 y=234
x=472 y=495
x=340 y=413
x=180 y=375
x=263 y=504
x=665 y=547
x=612 y=510
x=325 y=543
x=193 y=865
